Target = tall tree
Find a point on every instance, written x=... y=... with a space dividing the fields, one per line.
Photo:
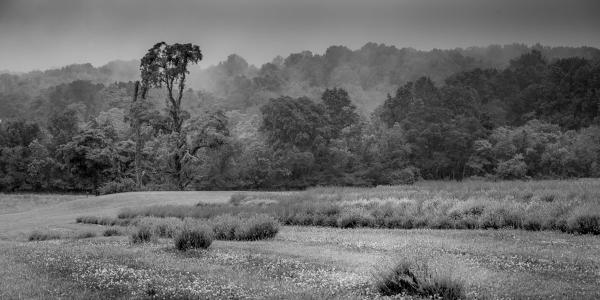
x=166 y=66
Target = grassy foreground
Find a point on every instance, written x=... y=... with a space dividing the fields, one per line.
x=299 y=263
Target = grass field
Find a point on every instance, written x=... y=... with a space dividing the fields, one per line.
x=301 y=262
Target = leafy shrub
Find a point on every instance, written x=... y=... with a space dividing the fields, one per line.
x=408 y=175
x=195 y=237
x=38 y=235
x=142 y=234
x=121 y=185
x=112 y=232
x=514 y=168
x=418 y=280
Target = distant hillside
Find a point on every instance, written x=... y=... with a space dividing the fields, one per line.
x=368 y=74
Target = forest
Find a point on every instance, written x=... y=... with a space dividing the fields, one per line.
x=378 y=115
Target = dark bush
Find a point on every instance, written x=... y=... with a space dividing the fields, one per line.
x=237 y=198
x=257 y=227
x=408 y=279
x=112 y=232
x=106 y=221
x=43 y=235
x=199 y=237
x=118 y=186
x=142 y=234
x=85 y=235
x=585 y=221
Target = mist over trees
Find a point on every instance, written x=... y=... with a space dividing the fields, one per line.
x=372 y=116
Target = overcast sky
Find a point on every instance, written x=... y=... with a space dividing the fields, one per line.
x=38 y=34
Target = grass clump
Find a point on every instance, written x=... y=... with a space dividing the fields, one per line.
x=257 y=227
x=585 y=220
x=142 y=234
x=39 y=235
x=237 y=198
x=106 y=221
x=162 y=227
x=112 y=232
x=244 y=227
x=85 y=235
x=193 y=237
x=418 y=280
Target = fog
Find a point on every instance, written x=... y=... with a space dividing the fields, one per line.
x=39 y=34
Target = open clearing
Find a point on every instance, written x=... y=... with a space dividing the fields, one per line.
x=300 y=262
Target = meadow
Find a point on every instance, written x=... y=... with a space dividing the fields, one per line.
x=84 y=247
x=568 y=206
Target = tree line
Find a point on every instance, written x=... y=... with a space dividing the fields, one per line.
x=535 y=118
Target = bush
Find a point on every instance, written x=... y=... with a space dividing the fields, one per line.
x=112 y=232
x=193 y=238
x=355 y=218
x=142 y=234
x=38 y=235
x=237 y=198
x=106 y=221
x=257 y=227
x=514 y=168
x=585 y=220
x=225 y=226
x=85 y=235
x=244 y=227
x=118 y=186
x=162 y=227
x=409 y=279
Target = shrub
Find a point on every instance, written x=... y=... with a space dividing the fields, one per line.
x=409 y=279
x=112 y=232
x=162 y=227
x=106 y=221
x=142 y=234
x=244 y=227
x=193 y=238
x=408 y=175
x=585 y=220
x=118 y=186
x=355 y=218
x=85 y=235
x=257 y=227
x=514 y=168
x=225 y=226
x=237 y=198
x=38 y=235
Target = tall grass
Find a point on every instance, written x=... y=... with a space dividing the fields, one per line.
x=224 y=227
x=39 y=235
x=106 y=221
x=565 y=205
x=418 y=279
x=193 y=236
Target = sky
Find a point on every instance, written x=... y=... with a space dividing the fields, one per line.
x=41 y=34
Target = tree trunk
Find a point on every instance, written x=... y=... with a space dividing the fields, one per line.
x=138 y=140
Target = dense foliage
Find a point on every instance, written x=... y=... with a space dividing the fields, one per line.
x=306 y=120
